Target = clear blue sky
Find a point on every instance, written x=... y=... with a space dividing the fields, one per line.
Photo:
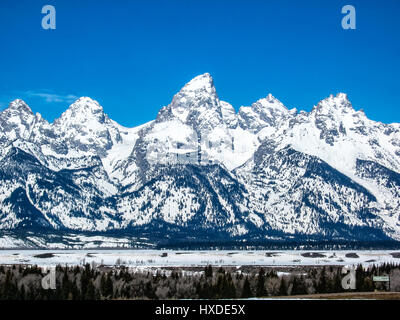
x=133 y=56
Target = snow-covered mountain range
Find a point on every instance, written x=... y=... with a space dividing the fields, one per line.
x=201 y=171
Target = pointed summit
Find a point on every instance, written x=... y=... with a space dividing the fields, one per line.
x=265 y=112
x=202 y=84
x=16 y=121
x=196 y=99
x=338 y=103
x=200 y=88
x=82 y=110
x=269 y=102
x=19 y=105
x=85 y=127
x=86 y=104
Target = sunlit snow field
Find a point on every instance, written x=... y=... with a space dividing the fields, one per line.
x=166 y=258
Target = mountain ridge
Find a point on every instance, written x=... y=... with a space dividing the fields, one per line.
x=260 y=173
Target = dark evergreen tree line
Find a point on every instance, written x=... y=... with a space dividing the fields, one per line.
x=91 y=283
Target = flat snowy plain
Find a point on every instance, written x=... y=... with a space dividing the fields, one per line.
x=172 y=258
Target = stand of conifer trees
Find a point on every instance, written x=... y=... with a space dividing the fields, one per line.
x=93 y=283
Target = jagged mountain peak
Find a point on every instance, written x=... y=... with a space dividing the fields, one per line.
x=340 y=103
x=269 y=102
x=86 y=105
x=20 y=106
x=265 y=112
x=16 y=122
x=270 y=98
x=19 y=112
x=197 y=93
x=203 y=83
x=83 y=110
x=85 y=127
x=197 y=98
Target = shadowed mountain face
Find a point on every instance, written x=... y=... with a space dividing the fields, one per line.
x=201 y=171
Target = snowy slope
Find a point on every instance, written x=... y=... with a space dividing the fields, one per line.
x=201 y=170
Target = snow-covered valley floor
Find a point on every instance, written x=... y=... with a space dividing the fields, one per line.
x=172 y=258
